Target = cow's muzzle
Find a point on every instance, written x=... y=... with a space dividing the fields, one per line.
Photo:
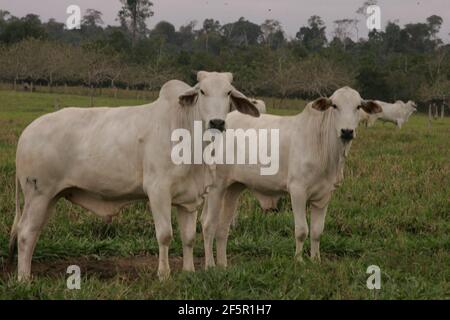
x=217 y=124
x=347 y=134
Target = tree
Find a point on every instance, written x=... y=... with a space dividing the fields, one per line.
x=133 y=16
x=321 y=76
x=211 y=28
x=16 y=30
x=165 y=30
x=272 y=33
x=434 y=23
x=186 y=35
x=92 y=18
x=242 y=32
x=343 y=32
x=95 y=66
x=313 y=36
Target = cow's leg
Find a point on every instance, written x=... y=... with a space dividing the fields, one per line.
x=35 y=215
x=187 y=222
x=298 y=199
x=161 y=205
x=317 y=226
x=227 y=215
x=210 y=222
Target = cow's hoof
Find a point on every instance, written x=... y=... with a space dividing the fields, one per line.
x=189 y=268
x=298 y=258
x=210 y=264
x=23 y=278
x=163 y=275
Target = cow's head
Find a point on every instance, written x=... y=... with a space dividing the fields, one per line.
x=409 y=108
x=412 y=106
x=213 y=96
x=345 y=103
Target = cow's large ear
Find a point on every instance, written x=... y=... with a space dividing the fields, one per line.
x=322 y=104
x=189 y=98
x=371 y=107
x=242 y=104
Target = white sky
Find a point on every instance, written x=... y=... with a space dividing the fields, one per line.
x=291 y=13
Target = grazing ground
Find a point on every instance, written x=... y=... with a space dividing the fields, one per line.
x=392 y=211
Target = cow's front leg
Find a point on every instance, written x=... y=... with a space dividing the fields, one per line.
x=210 y=220
x=298 y=200
x=227 y=215
x=161 y=205
x=187 y=222
x=317 y=226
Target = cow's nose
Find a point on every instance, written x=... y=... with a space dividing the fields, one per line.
x=346 y=134
x=218 y=124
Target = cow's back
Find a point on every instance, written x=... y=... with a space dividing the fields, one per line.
x=86 y=148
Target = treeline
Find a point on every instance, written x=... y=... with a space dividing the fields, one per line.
x=409 y=62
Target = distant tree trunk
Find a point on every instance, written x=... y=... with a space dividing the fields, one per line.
x=50 y=83
x=442 y=110
x=436 y=111
x=113 y=86
x=429 y=115
x=57 y=105
x=92 y=96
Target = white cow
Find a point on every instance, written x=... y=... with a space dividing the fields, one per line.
x=397 y=113
x=260 y=105
x=366 y=119
x=105 y=158
x=313 y=147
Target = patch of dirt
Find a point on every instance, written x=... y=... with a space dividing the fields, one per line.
x=125 y=268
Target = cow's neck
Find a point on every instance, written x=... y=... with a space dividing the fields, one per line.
x=202 y=173
x=185 y=117
x=321 y=138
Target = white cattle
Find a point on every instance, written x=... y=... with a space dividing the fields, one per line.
x=312 y=150
x=105 y=158
x=266 y=203
x=260 y=105
x=367 y=119
x=397 y=113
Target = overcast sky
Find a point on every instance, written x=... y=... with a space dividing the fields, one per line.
x=291 y=13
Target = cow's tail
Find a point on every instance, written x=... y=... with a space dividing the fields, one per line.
x=13 y=236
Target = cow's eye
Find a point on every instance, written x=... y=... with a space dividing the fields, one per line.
x=358 y=107
x=229 y=93
x=334 y=106
x=202 y=92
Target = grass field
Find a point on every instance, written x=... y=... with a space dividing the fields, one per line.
x=392 y=211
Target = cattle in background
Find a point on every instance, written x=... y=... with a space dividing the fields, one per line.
x=397 y=113
x=366 y=119
x=312 y=151
x=105 y=158
x=260 y=105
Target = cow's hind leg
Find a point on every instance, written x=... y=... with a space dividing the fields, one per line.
x=35 y=215
x=187 y=222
